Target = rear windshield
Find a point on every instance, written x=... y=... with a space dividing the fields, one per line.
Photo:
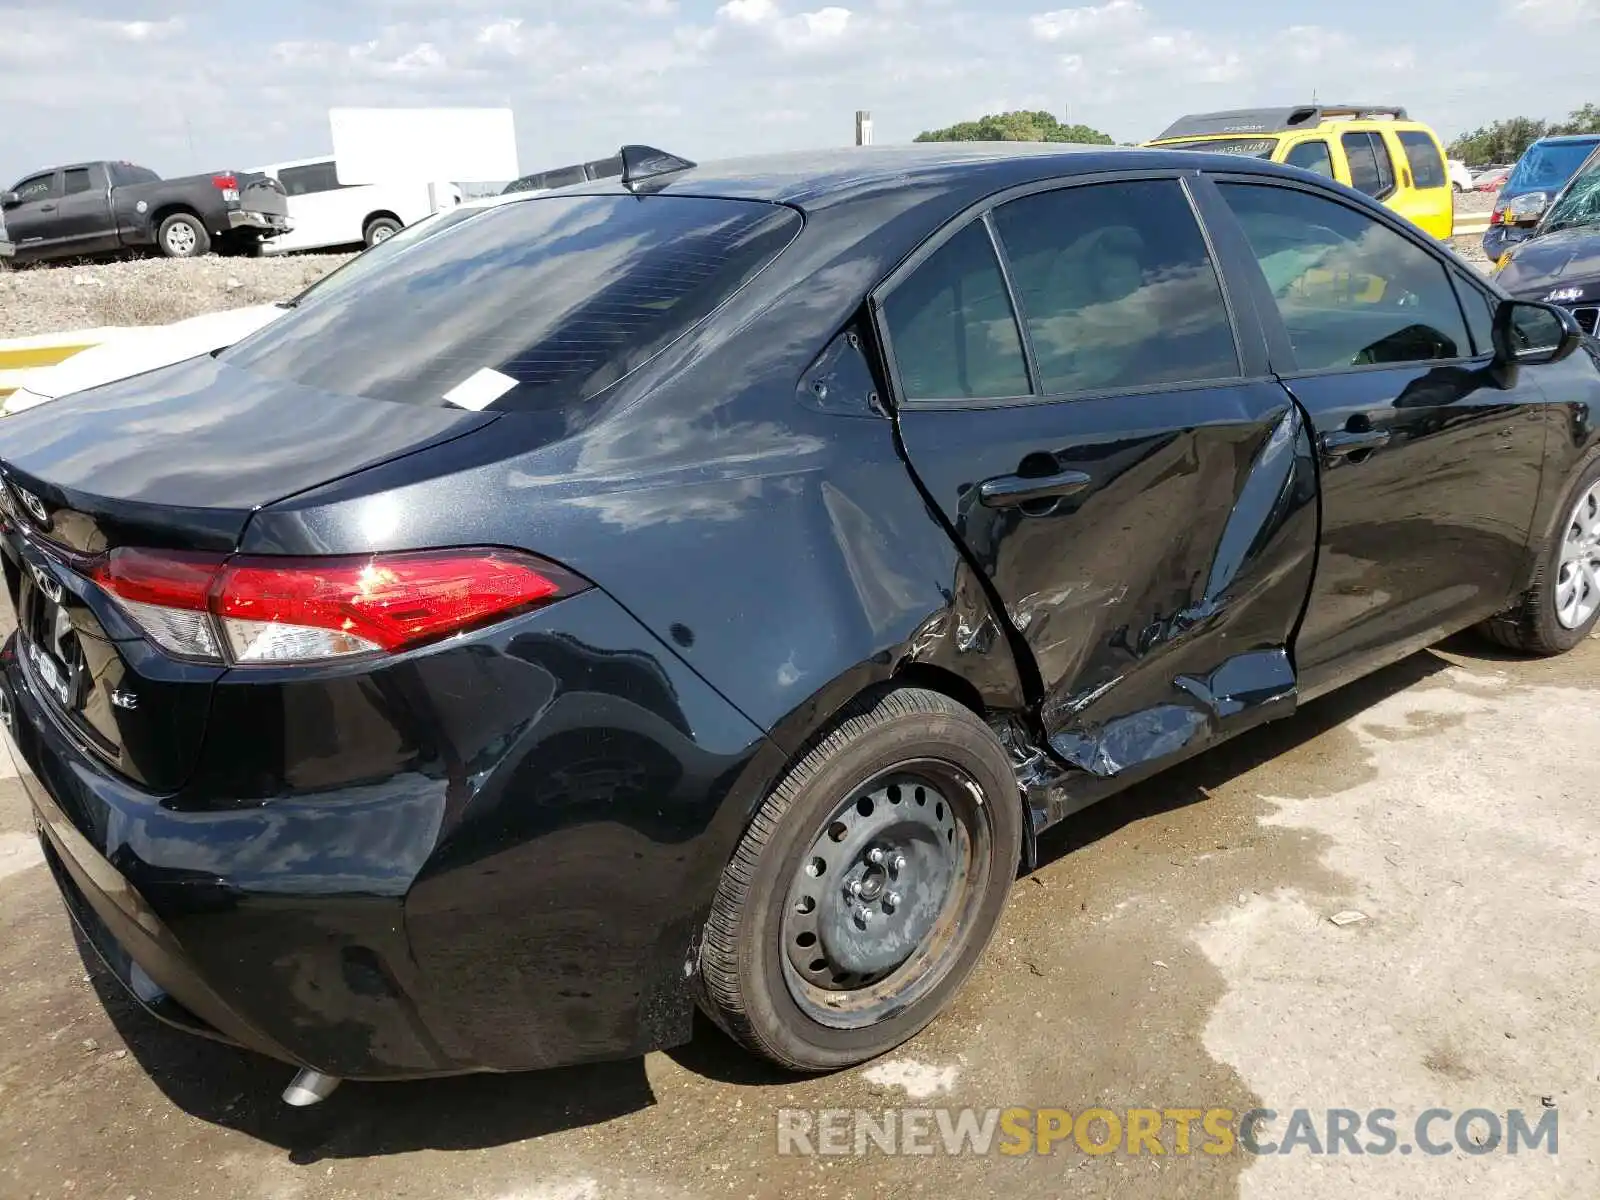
x=533 y=305
x=1547 y=167
x=1249 y=147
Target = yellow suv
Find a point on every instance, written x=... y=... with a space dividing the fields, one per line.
x=1375 y=148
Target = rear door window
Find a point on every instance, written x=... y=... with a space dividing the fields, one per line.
x=538 y=304
x=1422 y=154
x=1116 y=287
x=310 y=180
x=1371 y=170
x=952 y=328
x=76 y=180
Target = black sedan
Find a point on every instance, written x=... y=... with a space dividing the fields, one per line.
x=704 y=586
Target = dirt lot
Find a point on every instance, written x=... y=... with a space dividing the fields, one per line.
x=147 y=291
x=1175 y=950
x=152 y=291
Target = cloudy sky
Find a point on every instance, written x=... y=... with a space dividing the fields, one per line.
x=196 y=84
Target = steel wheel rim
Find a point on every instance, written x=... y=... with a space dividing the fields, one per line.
x=1577 y=591
x=381 y=234
x=917 y=865
x=180 y=239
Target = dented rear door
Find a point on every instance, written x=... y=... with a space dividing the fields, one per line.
x=1091 y=412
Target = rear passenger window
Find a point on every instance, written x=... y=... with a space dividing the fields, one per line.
x=951 y=326
x=1370 y=168
x=1116 y=287
x=310 y=180
x=1312 y=156
x=1352 y=292
x=1427 y=165
x=76 y=180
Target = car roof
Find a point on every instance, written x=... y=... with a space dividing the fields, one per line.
x=1568 y=139
x=1235 y=122
x=816 y=179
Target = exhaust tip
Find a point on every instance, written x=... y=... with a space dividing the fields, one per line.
x=308 y=1088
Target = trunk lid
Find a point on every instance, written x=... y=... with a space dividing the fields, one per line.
x=176 y=459
x=180 y=457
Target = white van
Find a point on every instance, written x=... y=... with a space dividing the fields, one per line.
x=325 y=212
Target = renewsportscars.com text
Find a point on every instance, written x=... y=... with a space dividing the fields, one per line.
x=1164 y=1131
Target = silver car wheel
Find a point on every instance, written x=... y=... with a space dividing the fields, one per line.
x=1577 y=593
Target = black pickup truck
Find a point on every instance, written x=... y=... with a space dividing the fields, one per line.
x=104 y=207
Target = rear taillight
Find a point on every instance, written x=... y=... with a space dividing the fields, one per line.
x=228 y=185
x=264 y=611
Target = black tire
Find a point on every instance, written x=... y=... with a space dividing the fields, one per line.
x=183 y=235
x=1532 y=626
x=747 y=982
x=379 y=229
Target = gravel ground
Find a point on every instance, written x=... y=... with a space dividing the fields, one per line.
x=147 y=291
x=153 y=291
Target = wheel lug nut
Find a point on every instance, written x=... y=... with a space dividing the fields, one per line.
x=875 y=856
x=891 y=901
x=897 y=863
x=855 y=888
x=863 y=918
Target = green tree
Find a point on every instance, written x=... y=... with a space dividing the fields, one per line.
x=1505 y=140
x=1581 y=120
x=1502 y=141
x=1016 y=127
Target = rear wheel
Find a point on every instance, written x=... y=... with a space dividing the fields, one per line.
x=380 y=229
x=867 y=886
x=183 y=235
x=1563 y=606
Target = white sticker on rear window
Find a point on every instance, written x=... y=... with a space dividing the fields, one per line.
x=480 y=389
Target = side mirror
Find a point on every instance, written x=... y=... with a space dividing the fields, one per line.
x=1526 y=209
x=1527 y=333
x=9 y=200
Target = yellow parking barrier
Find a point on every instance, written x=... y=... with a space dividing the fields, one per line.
x=21 y=355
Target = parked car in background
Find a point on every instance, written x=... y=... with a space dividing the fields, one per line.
x=1374 y=148
x=327 y=213
x=137 y=350
x=600 y=168
x=103 y=207
x=1558 y=260
x=1460 y=175
x=712 y=600
x=1541 y=172
x=1490 y=179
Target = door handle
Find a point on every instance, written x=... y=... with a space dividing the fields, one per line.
x=1353 y=441
x=1010 y=491
x=47 y=208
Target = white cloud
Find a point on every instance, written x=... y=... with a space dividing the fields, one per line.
x=717 y=77
x=749 y=12
x=1075 y=23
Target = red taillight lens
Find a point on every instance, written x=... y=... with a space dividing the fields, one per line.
x=225 y=183
x=289 y=610
x=170 y=580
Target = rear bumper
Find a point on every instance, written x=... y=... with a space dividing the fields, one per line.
x=269 y=224
x=531 y=906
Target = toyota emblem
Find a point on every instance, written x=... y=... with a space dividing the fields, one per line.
x=33 y=504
